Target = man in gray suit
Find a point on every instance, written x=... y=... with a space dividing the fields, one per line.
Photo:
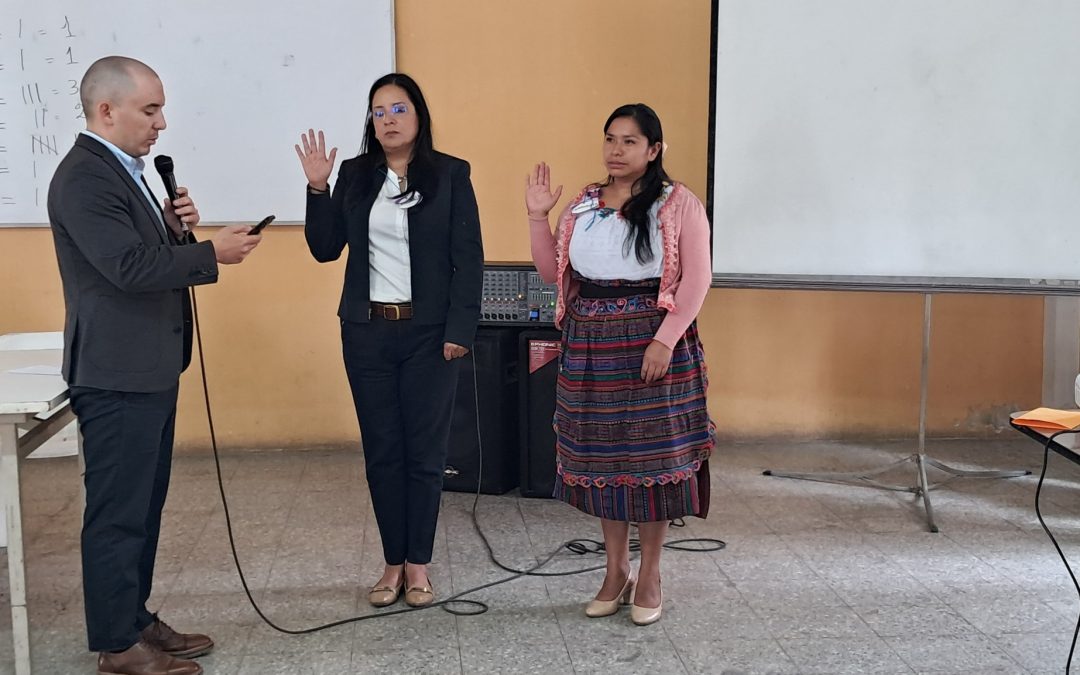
x=126 y=264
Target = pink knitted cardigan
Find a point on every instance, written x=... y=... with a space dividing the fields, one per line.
x=687 y=266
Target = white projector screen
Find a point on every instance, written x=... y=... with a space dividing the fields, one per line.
x=897 y=144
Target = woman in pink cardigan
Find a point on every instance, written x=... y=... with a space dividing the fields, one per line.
x=630 y=258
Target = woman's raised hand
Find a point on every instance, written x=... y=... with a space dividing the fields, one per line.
x=539 y=198
x=317 y=165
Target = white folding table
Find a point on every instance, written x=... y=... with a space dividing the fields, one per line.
x=33 y=407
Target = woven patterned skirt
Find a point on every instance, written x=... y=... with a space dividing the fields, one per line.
x=628 y=450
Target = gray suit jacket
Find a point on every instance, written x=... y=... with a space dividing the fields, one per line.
x=127 y=323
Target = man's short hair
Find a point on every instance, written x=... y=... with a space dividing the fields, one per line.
x=109 y=78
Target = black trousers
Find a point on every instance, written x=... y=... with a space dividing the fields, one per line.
x=403 y=390
x=127 y=444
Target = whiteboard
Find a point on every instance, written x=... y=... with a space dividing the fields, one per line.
x=897 y=142
x=242 y=79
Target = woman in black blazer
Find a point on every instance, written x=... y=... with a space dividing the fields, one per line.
x=409 y=308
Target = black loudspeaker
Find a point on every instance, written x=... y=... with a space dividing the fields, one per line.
x=538 y=359
x=488 y=376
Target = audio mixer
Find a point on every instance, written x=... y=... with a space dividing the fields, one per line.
x=515 y=295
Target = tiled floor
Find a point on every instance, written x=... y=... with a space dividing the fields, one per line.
x=816 y=578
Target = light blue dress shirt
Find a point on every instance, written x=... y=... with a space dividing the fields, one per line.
x=134 y=166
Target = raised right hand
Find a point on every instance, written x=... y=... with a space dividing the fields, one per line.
x=317 y=166
x=539 y=199
x=233 y=243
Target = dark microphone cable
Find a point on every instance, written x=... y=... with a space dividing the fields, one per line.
x=471 y=607
x=1053 y=539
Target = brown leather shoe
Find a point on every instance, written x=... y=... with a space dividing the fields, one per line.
x=180 y=645
x=143 y=659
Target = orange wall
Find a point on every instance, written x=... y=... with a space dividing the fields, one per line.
x=513 y=82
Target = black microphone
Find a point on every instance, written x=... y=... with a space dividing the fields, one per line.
x=164 y=166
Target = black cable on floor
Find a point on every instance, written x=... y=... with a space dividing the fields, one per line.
x=1053 y=539
x=579 y=546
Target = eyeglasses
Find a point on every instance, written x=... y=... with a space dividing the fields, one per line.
x=395 y=110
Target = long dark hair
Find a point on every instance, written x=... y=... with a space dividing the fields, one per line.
x=648 y=188
x=423 y=152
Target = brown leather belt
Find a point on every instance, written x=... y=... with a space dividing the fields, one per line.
x=391 y=312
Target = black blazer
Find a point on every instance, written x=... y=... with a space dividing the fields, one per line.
x=446 y=254
x=127 y=323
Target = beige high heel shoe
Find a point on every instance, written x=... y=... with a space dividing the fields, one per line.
x=643 y=616
x=598 y=608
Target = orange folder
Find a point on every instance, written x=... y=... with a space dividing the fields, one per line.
x=1049 y=419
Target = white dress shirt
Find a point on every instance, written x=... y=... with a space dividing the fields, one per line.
x=388 y=246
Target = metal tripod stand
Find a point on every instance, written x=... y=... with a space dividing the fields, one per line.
x=922 y=486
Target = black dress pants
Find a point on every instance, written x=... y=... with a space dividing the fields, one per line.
x=127 y=445
x=403 y=391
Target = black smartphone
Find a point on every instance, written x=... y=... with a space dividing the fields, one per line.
x=262 y=223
